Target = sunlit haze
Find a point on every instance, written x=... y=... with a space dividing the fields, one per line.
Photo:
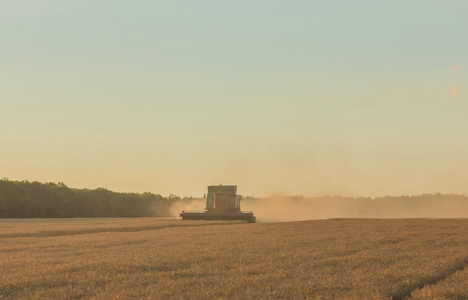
x=352 y=98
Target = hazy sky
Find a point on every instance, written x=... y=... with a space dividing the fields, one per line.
x=279 y=97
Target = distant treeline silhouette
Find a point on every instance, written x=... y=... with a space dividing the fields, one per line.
x=24 y=199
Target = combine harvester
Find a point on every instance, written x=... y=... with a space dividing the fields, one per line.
x=222 y=203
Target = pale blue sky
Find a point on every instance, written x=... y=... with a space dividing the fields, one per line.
x=331 y=97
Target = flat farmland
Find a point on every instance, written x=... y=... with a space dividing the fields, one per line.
x=169 y=258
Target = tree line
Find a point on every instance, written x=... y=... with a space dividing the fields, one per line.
x=24 y=199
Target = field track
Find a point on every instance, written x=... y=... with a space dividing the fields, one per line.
x=170 y=258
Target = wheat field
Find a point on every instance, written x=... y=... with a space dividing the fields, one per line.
x=169 y=258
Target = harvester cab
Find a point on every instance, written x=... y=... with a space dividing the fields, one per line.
x=223 y=198
x=222 y=203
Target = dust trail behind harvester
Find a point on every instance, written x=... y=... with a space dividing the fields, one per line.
x=194 y=204
x=298 y=208
x=280 y=209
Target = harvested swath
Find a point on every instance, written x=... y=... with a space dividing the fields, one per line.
x=59 y=227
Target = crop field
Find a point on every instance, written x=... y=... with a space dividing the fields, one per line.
x=169 y=258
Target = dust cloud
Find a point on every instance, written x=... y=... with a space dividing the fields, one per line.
x=299 y=208
x=188 y=205
x=282 y=209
